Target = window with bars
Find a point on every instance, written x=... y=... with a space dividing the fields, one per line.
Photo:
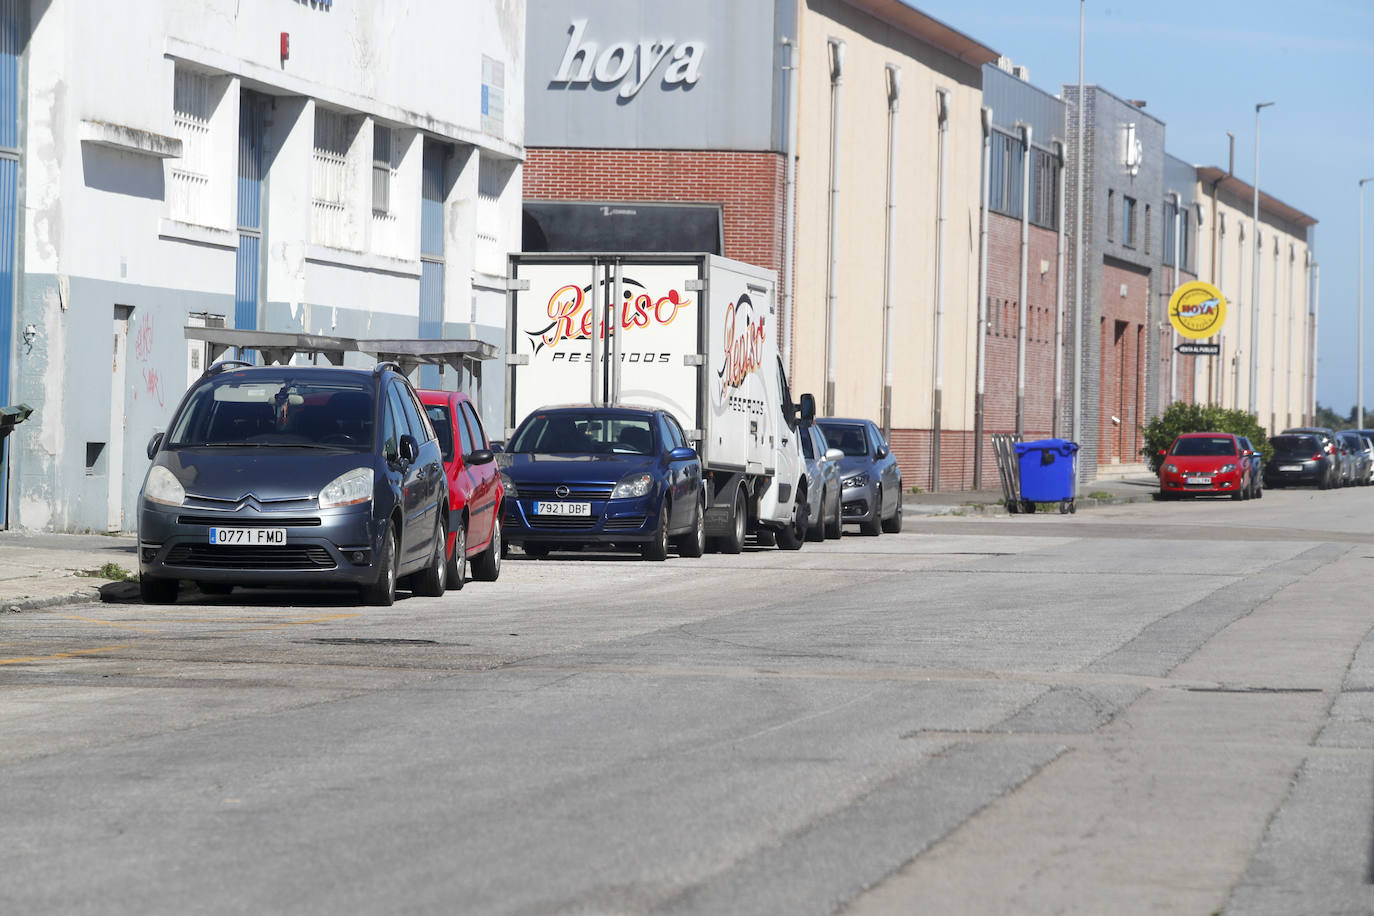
x=383 y=169
x=1004 y=191
x=194 y=95
x=1044 y=189
x=329 y=177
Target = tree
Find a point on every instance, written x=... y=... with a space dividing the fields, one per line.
x=1180 y=417
x=1328 y=418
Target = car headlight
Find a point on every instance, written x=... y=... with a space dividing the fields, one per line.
x=509 y=486
x=1171 y=468
x=1227 y=468
x=163 y=487
x=632 y=486
x=348 y=489
x=856 y=480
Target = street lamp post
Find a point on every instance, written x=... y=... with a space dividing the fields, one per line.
x=1254 y=282
x=1359 y=320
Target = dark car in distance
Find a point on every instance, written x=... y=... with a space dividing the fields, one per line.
x=1335 y=469
x=295 y=476
x=580 y=476
x=475 y=491
x=1300 y=459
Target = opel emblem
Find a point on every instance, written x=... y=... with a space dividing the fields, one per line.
x=562 y=491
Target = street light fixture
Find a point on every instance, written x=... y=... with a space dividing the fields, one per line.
x=1359 y=321
x=1254 y=281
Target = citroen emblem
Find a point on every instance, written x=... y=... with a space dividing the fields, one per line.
x=562 y=491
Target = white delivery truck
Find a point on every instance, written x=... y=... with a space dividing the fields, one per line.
x=695 y=334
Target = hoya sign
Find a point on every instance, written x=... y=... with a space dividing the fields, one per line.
x=629 y=64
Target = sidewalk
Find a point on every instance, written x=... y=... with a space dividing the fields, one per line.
x=38 y=570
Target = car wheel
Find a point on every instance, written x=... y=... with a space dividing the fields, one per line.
x=734 y=541
x=816 y=532
x=215 y=588
x=486 y=566
x=657 y=549
x=792 y=535
x=835 y=528
x=432 y=581
x=382 y=593
x=458 y=561
x=874 y=526
x=154 y=590
x=1240 y=495
x=694 y=544
x=893 y=525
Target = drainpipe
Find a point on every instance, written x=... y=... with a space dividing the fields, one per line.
x=981 y=350
x=1173 y=353
x=1288 y=360
x=1274 y=349
x=1312 y=356
x=832 y=285
x=1057 y=420
x=1218 y=277
x=1240 y=316
x=894 y=89
x=789 y=219
x=1021 y=307
x=942 y=105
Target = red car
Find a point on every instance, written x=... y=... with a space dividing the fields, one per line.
x=475 y=491
x=1209 y=464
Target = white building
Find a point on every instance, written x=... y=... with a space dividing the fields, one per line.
x=348 y=169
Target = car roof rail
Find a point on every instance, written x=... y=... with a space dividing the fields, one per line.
x=385 y=365
x=226 y=365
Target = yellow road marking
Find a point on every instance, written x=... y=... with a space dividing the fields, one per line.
x=72 y=654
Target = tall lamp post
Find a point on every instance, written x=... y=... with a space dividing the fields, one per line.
x=1359 y=321
x=1254 y=281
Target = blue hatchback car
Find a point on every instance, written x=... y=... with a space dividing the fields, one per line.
x=609 y=476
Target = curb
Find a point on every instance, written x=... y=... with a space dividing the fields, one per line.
x=990 y=509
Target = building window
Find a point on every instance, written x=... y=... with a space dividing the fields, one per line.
x=1168 y=253
x=383 y=169
x=1111 y=215
x=329 y=178
x=1044 y=189
x=1004 y=192
x=1185 y=240
x=194 y=97
x=1127 y=221
x=1149 y=229
x=493 y=96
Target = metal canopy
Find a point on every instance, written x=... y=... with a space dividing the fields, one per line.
x=275 y=346
x=410 y=353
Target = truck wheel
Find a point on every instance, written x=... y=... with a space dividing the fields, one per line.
x=657 y=549
x=792 y=535
x=734 y=541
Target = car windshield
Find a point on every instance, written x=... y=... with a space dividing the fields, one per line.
x=584 y=433
x=1204 y=446
x=848 y=438
x=1292 y=444
x=276 y=410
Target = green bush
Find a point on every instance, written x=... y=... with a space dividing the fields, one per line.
x=1200 y=418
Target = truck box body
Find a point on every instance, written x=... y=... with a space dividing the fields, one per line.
x=695 y=334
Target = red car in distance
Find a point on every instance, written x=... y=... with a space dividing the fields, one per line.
x=476 y=494
x=1205 y=464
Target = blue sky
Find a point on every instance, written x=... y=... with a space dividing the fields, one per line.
x=1203 y=66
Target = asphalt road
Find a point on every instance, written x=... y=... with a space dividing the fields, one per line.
x=1143 y=708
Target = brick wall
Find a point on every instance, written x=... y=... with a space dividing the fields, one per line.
x=749 y=188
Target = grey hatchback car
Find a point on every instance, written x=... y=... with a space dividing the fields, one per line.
x=870 y=479
x=295 y=476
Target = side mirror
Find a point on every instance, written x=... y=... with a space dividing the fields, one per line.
x=834 y=454
x=498 y=447
x=154 y=444
x=480 y=456
x=1162 y=452
x=808 y=409
x=682 y=453
x=410 y=449
x=881 y=452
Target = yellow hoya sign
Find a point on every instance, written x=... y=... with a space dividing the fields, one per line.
x=1197 y=310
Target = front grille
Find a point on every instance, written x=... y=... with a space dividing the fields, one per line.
x=577 y=492
x=625 y=524
x=566 y=522
x=194 y=501
x=242 y=556
x=212 y=521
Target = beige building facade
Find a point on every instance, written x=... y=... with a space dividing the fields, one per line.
x=1266 y=365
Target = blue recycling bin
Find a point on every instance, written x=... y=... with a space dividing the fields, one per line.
x=1048 y=469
